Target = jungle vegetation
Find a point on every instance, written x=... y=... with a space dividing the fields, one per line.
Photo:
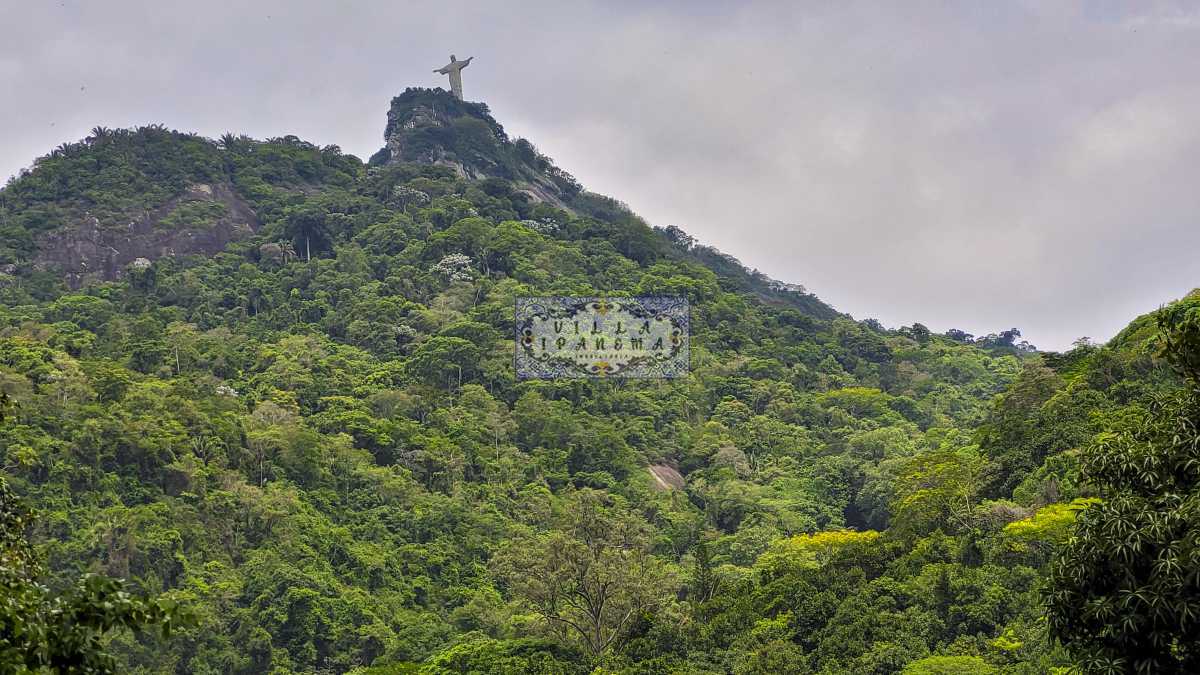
x=308 y=453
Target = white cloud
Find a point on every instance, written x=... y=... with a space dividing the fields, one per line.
x=1145 y=128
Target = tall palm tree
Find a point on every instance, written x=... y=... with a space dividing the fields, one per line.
x=289 y=251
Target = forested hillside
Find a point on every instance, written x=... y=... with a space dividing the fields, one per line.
x=283 y=398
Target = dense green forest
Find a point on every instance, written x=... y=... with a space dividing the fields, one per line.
x=305 y=450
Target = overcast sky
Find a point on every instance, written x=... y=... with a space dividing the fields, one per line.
x=969 y=166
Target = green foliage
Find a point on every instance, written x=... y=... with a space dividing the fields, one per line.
x=484 y=656
x=1123 y=593
x=1049 y=527
x=193 y=214
x=591 y=577
x=62 y=631
x=315 y=440
x=1179 y=336
x=950 y=665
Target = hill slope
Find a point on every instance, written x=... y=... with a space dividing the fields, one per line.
x=298 y=415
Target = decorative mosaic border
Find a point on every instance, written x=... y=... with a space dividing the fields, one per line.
x=599 y=337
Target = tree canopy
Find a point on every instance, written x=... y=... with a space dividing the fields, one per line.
x=312 y=438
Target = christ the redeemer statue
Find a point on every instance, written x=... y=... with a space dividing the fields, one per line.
x=454 y=70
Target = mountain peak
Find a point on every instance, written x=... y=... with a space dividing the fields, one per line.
x=431 y=126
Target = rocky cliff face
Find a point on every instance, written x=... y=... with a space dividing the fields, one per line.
x=432 y=127
x=202 y=220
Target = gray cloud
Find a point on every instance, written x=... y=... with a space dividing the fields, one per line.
x=977 y=167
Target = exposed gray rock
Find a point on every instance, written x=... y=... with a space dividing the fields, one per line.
x=92 y=250
x=429 y=127
x=666 y=477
